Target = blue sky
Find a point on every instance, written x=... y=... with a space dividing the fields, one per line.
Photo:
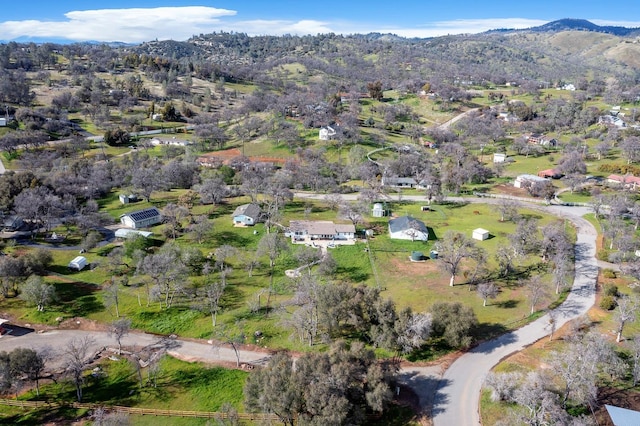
x=135 y=21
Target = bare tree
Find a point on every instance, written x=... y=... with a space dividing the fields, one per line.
x=271 y=245
x=119 y=329
x=635 y=357
x=453 y=248
x=76 y=355
x=508 y=209
x=536 y=291
x=213 y=292
x=627 y=312
x=112 y=295
x=200 y=228
x=487 y=291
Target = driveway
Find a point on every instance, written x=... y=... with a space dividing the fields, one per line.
x=456 y=401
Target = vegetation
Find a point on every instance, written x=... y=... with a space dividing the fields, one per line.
x=240 y=124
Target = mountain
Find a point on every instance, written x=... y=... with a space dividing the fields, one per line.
x=570 y=24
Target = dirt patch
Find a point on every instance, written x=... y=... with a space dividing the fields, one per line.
x=82 y=324
x=508 y=189
x=407 y=267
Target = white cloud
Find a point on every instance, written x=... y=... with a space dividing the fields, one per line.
x=127 y=25
x=463 y=26
x=604 y=22
x=136 y=25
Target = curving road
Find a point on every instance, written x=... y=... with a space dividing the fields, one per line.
x=451 y=398
x=456 y=401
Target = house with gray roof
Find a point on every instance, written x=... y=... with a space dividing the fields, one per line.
x=247 y=215
x=141 y=218
x=408 y=228
x=302 y=231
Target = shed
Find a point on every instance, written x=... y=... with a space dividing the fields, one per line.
x=131 y=233
x=141 y=218
x=78 y=263
x=480 y=234
x=126 y=199
x=378 y=210
x=3 y=122
x=499 y=157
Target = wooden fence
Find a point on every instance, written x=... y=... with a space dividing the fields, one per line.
x=141 y=411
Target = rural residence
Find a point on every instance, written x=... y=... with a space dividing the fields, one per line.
x=247 y=215
x=408 y=228
x=306 y=231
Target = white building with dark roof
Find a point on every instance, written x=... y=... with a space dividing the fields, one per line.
x=408 y=228
x=141 y=218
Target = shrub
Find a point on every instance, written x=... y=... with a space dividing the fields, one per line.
x=603 y=254
x=608 y=303
x=610 y=273
x=611 y=290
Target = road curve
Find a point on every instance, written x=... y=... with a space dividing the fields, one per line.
x=456 y=401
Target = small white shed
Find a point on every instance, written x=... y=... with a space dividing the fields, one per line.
x=499 y=157
x=78 y=263
x=480 y=234
x=378 y=210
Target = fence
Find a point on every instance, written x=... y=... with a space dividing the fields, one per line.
x=142 y=411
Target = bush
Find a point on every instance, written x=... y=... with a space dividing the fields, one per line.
x=603 y=254
x=611 y=290
x=610 y=273
x=608 y=303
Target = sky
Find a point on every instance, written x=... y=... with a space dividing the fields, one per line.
x=135 y=21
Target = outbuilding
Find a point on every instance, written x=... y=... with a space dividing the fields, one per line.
x=408 y=228
x=141 y=218
x=480 y=234
x=78 y=263
x=378 y=210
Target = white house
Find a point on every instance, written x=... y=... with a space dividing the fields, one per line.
x=304 y=231
x=524 y=180
x=326 y=133
x=156 y=117
x=408 y=228
x=141 y=218
x=399 y=182
x=170 y=141
x=480 y=234
x=247 y=215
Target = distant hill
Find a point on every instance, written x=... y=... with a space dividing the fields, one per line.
x=569 y=24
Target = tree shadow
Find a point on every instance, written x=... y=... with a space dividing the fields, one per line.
x=485 y=331
x=353 y=273
x=506 y=304
x=428 y=388
x=491 y=345
x=78 y=299
x=231 y=238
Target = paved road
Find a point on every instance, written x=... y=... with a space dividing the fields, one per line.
x=187 y=350
x=452 y=397
x=457 y=399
